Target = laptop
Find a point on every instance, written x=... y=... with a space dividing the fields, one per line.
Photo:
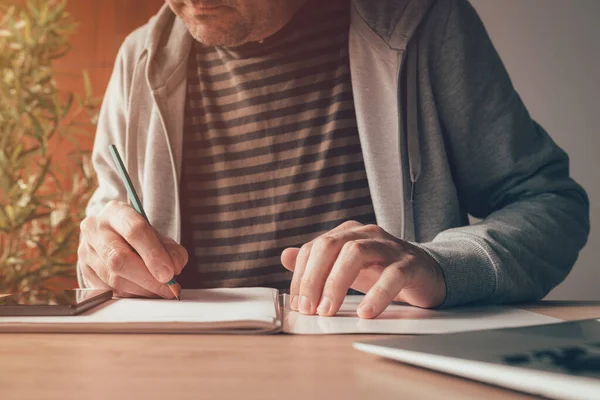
x=556 y=361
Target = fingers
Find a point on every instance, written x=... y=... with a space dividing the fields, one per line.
x=288 y=258
x=127 y=254
x=122 y=287
x=328 y=245
x=325 y=250
x=365 y=258
x=392 y=280
x=299 y=268
x=118 y=266
x=179 y=255
x=364 y=281
x=90 y=278
x=125 y=287
x=323 y=254
x=138 y=234
x=355 y=257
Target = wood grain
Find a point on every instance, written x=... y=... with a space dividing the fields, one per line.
x=93 y=366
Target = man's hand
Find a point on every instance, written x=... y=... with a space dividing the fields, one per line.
x=365 y=258
x=119 y=250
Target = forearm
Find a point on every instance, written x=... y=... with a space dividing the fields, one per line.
x=518 y=253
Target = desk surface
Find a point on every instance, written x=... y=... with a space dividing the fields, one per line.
x=92 y=366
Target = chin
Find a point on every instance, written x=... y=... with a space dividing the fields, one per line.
x=214 y=33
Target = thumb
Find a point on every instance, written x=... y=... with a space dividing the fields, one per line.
x=178 y=253
x=288 y=258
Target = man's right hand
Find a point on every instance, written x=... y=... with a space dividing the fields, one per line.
x=119 y=250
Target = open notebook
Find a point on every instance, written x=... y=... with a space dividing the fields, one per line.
x=263 y=310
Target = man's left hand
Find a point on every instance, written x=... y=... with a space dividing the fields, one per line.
x=365 y=258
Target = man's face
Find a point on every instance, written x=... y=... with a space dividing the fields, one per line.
x=234 y=22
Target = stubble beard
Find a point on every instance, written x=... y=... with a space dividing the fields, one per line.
x=229 y=35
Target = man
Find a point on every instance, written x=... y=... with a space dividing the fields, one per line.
x=347 y=140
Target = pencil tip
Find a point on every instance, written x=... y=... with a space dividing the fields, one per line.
x=178 y=298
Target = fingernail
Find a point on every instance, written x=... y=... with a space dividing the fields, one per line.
x=365 y=311
x=294 y=303
x=165 y=274
x=305 y=306
x=324 y=306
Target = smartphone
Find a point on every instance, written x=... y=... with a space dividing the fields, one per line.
x=52 y=302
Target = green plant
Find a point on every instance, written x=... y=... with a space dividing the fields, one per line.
x=42 y=200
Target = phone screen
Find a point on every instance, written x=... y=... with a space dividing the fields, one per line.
x=52 y=302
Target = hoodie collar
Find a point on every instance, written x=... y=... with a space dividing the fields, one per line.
x=167 y=45
x=394 y=21
x=169 y=42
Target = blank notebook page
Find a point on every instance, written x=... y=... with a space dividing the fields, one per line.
x=213 y=309
x=404 y=319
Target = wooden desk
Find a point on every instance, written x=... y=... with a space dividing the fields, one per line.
x=111 y=366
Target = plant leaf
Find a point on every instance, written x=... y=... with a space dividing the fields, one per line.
x=87 y=84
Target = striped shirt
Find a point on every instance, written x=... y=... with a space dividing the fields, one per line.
x=271 y=152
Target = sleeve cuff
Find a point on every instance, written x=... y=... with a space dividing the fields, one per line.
x=468 y=267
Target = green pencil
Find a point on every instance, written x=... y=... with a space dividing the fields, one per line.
x=135 y=201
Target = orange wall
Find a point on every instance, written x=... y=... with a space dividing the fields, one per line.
x=102 y=27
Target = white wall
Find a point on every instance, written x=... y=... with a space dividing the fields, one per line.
x=551 y=49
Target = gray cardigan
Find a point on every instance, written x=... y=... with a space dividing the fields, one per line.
x=444 y=135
